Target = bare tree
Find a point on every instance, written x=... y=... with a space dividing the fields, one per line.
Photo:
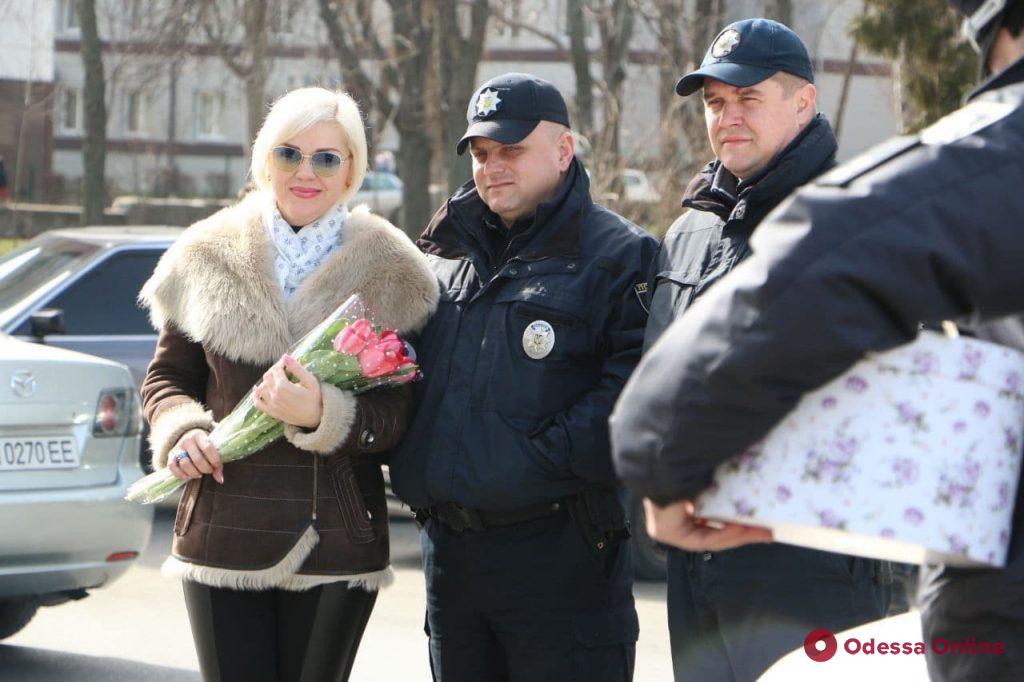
x=614 y=21
x=460 y=43
x=94 y=148
x=167 y=28
x=247 y=54
x=683 y=30
x=576 y=25
x=401 y=57
x=779 y=10
x=848 y=73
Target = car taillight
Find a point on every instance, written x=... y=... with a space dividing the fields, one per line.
x=117 y=413
x=122 y=556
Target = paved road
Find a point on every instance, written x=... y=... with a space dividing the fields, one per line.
x=137 y=628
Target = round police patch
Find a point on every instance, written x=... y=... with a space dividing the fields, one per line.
x=725 y=43
x=538 y=339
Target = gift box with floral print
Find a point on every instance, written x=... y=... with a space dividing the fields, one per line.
x=912 y=455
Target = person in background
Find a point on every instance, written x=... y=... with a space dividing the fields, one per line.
x=757 y=83
x=919 y=230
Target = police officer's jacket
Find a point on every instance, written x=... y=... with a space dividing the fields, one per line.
x=921 y=229
x=707 y=241
x=496 y=428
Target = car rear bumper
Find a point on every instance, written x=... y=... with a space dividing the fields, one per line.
x=59 y=540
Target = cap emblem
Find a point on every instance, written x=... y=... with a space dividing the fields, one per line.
x=725 y=43
x=487 y=103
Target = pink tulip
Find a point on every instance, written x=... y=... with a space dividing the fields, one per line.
x=376 y=363
x=389 y=342
x=354 y=338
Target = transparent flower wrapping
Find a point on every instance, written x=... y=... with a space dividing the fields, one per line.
x=361 y=367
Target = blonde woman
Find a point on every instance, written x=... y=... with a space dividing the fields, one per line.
x=281 y=554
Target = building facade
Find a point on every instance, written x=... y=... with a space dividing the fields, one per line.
x=176 y=116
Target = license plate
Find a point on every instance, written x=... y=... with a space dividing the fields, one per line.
x=18 y=454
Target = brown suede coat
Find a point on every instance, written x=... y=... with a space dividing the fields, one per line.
x=223 y=323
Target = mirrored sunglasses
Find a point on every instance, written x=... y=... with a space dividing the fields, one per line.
x=324 y=164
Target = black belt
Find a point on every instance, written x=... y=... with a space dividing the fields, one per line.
x=460 y=518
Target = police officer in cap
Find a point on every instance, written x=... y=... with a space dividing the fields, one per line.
x=921 y=229
x=507 y=463
x=732 y=613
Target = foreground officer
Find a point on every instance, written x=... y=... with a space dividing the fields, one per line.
x=733 y=613
x=921 y=229
x=507 y=462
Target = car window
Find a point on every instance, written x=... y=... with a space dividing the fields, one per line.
x=103 y=301
x=35 y=268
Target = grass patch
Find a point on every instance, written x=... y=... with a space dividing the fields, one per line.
x=9 y=244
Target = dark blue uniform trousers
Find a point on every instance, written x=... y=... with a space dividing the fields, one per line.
x=527 y=602
x=732 y=614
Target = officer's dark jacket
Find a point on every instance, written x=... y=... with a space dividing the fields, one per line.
x=921 y=229
x=707 y=241
x=494 y=428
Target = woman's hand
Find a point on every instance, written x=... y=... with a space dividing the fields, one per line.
x=193 y=456
x=298 y=404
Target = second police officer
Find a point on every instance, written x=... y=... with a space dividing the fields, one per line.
x=921 y=229
x=731 y=613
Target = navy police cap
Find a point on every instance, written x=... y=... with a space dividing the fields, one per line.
x=747 y=52
x=508 y=107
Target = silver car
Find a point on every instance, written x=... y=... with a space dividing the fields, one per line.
x=69 y=438
x=76 y=289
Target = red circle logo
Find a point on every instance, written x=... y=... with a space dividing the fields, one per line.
x=820 y=645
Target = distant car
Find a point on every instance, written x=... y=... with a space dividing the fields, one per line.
x=637 y=187
x=76 y=289
x=69 y=438
x=383 y=192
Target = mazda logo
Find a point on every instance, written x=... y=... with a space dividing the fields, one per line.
x=23 y=384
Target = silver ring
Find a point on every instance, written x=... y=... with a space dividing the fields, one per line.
x=183 y=454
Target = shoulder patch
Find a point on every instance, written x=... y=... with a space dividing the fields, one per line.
x=966 y=121
x=873 y=158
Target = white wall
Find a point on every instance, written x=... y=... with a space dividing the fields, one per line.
x=26 y=40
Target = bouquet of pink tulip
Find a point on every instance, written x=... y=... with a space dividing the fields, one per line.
x=345 y=350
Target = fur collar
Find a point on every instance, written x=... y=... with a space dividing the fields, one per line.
x=217 y=284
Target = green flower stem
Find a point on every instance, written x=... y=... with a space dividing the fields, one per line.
x=246 y=430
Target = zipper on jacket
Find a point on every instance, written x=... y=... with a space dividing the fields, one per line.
x=316 y=472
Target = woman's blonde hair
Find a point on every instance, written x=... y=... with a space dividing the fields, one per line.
x=297 y=110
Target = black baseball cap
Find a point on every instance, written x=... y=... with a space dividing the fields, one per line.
x=747 y=52
x=508 y=107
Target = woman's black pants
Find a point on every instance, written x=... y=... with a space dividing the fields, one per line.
x=277 y=635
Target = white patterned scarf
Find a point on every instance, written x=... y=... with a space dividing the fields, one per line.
x=298 y=254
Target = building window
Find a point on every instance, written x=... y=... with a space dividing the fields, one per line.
x=67 y=18
x=280 y=18
x=135 y=12
x=69 y=114
x=209 y=115
x=137 y=108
